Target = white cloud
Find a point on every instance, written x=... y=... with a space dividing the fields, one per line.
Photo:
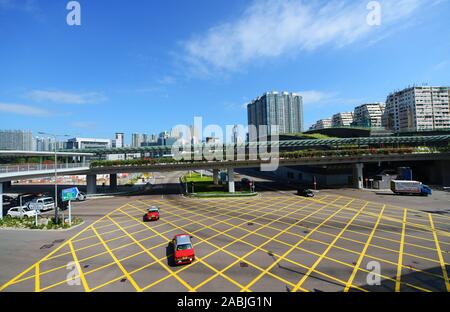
x=66 y=97
x=314 y=97
x=25 y=110
x=274 y=28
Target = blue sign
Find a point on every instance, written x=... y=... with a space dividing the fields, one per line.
x=70 y=194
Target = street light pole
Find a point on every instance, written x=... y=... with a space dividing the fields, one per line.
x=55 y=137
x=56 y=183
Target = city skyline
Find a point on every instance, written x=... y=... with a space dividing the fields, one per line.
x=103 y=76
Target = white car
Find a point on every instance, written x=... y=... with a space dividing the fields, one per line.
x=25 y=213
x=42 y=204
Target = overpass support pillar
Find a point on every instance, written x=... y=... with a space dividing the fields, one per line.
x=6 y=186
x=91 y=183
x=1 y=200
x=231 y=186
x=113 y=181
x=358 y=178
x=216 y=176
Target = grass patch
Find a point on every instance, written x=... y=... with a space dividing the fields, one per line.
x=43 y=223
x=197 y=178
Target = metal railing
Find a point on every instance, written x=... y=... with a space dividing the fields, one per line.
x=40 y=167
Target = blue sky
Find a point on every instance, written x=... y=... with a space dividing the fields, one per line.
x=150 y=65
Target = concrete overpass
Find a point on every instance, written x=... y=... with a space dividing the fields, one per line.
x=9 y=173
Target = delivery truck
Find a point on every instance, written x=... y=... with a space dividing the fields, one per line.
x=410 y=188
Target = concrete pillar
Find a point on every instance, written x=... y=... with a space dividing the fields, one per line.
x=231 y=187
x=91 y=181
x=1 y=200
x=6 y=186
x=444 y=170
x=358 y=178
x=113 y=181
x=216 y=176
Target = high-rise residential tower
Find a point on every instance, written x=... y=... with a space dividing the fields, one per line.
x=422 y=108
x=16 y=140
x=284 y=110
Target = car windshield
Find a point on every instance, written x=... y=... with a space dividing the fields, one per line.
x=184 y=247
x=48 y=201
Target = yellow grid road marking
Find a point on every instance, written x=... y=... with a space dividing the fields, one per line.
x=300 y=283
x=201 y=260
x=293 y=247
x=441 y=259
x=171 y=273
x=37 y=282
x=361 y=256
x=132 y=281
x=400 y=254
x=77 y=263
x=341 y=248
x=12 y=281
x=425 y=228
x=223 y=248
x=120 y=247
x=276 y=240
x=420 y=226
x=233 y=255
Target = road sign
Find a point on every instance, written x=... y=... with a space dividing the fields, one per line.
x=70 y=194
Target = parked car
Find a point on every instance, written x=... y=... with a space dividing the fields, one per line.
x=305 y=192
x=152 y=214
x=183 y=250
x=16 y=212
x=42 y=204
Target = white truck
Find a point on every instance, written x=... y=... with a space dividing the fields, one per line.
x=410 y=188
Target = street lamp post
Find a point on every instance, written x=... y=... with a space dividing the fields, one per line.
x=56 y=172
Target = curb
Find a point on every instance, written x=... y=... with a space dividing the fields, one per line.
x=43 y=230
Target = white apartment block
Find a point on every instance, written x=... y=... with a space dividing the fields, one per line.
x=418 y=109
x=322 y=124
x=342 y=119
x=369 y=115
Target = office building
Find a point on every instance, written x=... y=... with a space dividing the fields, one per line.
x=119 y=141
x=414 y=109
x=88 y=143
x=136 y=140
x=322 y=124
x=19 y=140
x=342 y=120
x=284 y=110
x=368 y=115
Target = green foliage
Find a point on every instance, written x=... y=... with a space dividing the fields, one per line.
x=196 y=177
x=29 y=223
x=347 y=152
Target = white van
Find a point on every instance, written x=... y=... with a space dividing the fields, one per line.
x=42 y=204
